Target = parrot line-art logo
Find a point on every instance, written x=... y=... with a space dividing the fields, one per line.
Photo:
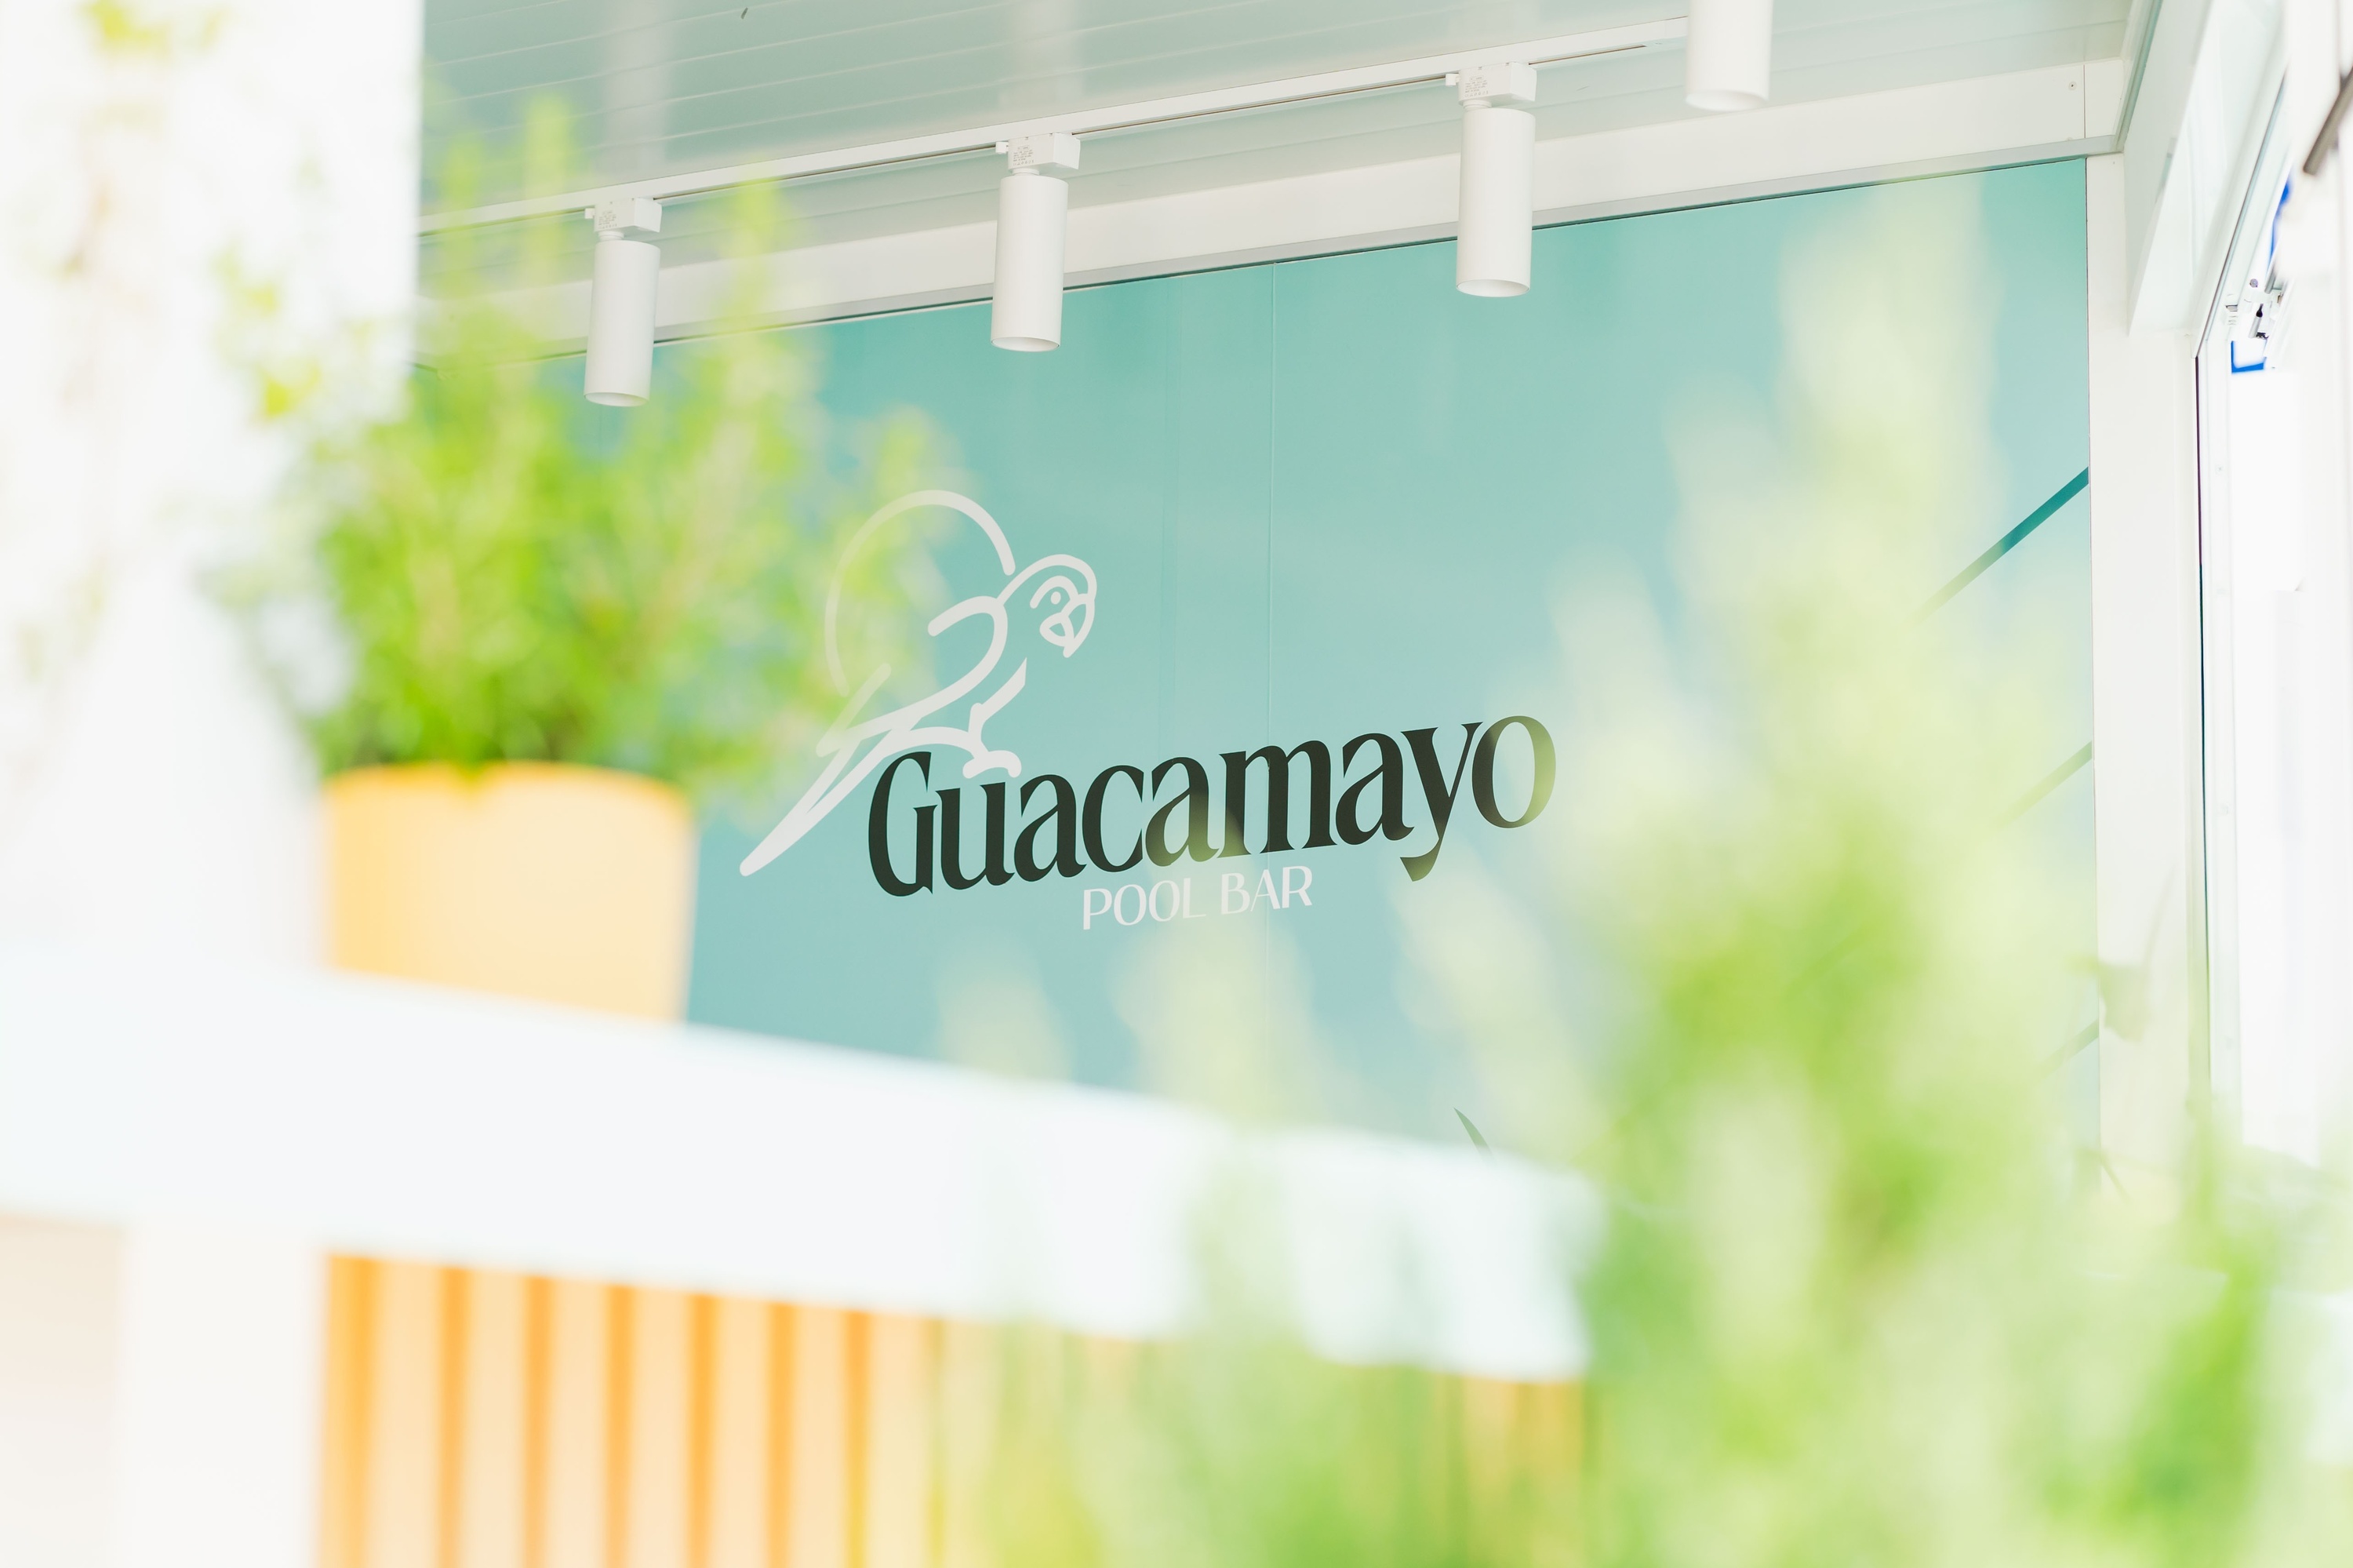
x=1062 y=586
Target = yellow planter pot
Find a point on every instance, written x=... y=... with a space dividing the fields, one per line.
x=570 y=885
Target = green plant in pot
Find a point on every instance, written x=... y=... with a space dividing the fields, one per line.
x=556 y=628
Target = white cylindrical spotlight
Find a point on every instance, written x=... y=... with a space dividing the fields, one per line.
x=1498 y=194
x=1729 y=55
x=1033 y=210
x=621 y=303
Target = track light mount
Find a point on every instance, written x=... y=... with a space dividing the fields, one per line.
x=622 y=287
x=1033 y=212
x=618 y=215
x=1493 y=248
x=1043 y=152
x=1495 y=82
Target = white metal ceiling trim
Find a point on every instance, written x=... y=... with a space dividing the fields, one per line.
x=1984 y=122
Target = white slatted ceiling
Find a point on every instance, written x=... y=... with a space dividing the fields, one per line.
x=669 y=84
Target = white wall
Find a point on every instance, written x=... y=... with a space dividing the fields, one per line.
x=59 y=1332
x=200 y=193
x=2145 y=700
x=2286 y=668
x=218 y=1359
x=206 y=197
x=159 y=1398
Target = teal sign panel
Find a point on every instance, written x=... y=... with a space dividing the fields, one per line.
x=1332 y=507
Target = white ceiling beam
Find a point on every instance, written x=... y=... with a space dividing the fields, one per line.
x=1979 y=122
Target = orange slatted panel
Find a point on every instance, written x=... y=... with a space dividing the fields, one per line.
x=571 y=1505
x=738 y=1418
x=489 y=1497
x=343 y=1472
x=405 y=1439
x=818 y=1469
x=656 y=1446
x=901 y=1416
x=476 y=1419
x=968 y=1406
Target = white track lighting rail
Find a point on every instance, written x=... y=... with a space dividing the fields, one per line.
x=1429 y=69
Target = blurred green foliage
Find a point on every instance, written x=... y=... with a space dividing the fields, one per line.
x=517 y=578
x=1865 y=1299
x=1241 y=1450
x=511 y=573
x=1860 y=1301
